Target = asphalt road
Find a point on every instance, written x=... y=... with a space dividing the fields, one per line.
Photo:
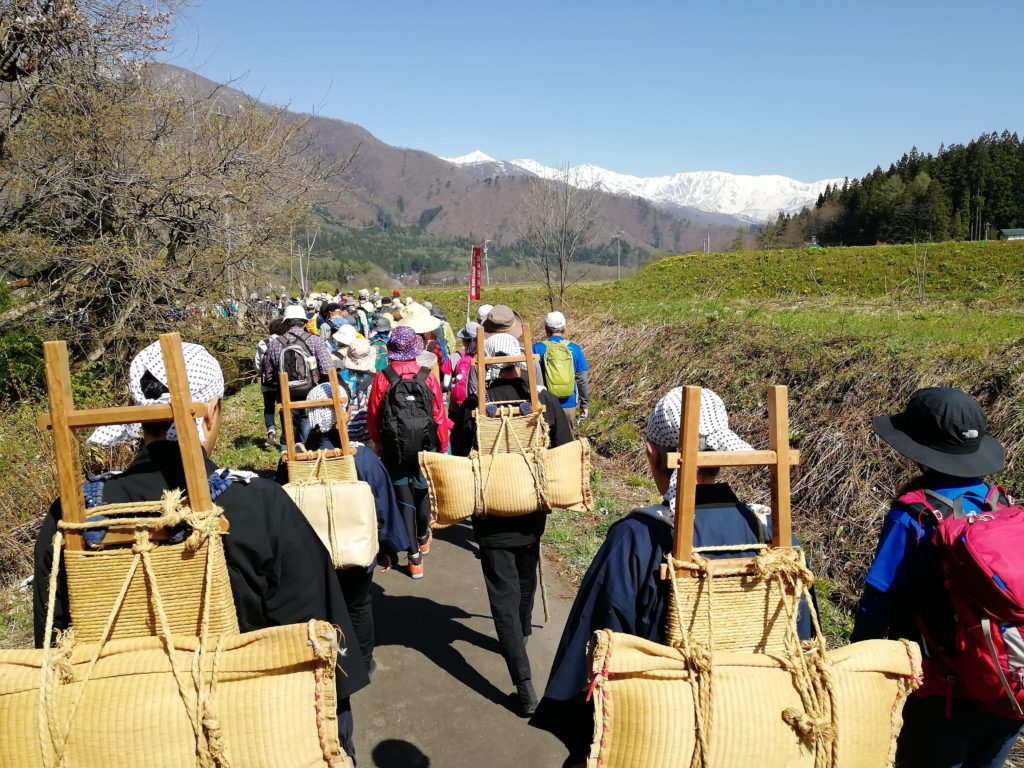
x=438 y=697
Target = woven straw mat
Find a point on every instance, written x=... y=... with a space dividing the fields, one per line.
x=644 y=710
x=273 y=696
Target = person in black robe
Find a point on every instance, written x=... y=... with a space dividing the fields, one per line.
x=280 y=572
x=510 y=546
x=623 y=590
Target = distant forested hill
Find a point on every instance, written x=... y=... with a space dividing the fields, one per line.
x=964 y=192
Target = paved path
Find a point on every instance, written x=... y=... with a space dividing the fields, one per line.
x=438 y=695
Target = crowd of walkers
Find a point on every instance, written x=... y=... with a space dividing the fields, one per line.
x=409 y=385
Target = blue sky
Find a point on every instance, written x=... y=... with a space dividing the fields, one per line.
x=803 y=89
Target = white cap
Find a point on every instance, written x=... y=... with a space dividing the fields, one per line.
x=408 y=300
x=294 y=312
x=345 y=335
x=555 y=321
x=367 y=306
x=483 y=312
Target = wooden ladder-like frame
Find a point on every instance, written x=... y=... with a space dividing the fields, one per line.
x=340 y=416
x=64 y=419
x=527 y=357
x=780 y=458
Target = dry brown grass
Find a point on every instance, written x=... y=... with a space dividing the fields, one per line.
x=847 y=478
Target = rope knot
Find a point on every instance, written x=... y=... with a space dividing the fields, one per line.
x=785 y=565
x=61 y=659
x=142 y=542
x=810 y=729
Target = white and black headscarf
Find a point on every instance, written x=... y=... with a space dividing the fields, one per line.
x=205 y=382
x=501 y=345
x=713 y=428
x=324 y=418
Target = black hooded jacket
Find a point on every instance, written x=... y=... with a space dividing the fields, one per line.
x=280 y=572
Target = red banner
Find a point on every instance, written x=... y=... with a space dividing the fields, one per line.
x=474 y=275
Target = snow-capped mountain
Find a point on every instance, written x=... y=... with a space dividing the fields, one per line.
x=753 y=198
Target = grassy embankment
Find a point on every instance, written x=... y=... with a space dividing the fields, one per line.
x=845 y=328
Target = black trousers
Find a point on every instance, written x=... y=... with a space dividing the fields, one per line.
x=415 y=506
x=510 y=574
x=355 y=585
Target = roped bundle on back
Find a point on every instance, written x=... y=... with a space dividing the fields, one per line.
x=982 y=560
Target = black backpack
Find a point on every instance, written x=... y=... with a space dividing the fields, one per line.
x=299 y=362
x=407 y=421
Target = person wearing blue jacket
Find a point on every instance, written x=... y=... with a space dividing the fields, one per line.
x=622 y=589
x=944 y=431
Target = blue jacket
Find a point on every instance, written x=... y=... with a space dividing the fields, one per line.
x=905 y=578
x=623 y=591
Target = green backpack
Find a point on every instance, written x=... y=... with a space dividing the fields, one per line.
x=559 y=369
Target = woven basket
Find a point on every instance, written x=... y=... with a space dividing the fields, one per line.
x=507 y=484
x=344 y=516
x=567 y=476
x=450 y=486
x=506 y=433
x=95 y=579
x=341 y=468
x=272 y=694
x=644 y=706
x=749 y=612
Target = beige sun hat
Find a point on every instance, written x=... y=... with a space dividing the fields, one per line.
x=420 y=322
x=360 y=356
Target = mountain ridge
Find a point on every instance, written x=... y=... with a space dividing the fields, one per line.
x=750 y=198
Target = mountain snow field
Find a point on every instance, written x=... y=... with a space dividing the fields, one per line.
x=753 y=198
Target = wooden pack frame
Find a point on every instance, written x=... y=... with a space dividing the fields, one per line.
x=340 y=416
x=64 y=419
x=527 y=357
x=779 y=458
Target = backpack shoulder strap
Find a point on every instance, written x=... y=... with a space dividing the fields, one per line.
x=365 y=384
x=391 y=375
x=422 y=374
x=997 y=498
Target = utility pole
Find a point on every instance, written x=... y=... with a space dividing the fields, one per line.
x=487 y=264
x=618 y=254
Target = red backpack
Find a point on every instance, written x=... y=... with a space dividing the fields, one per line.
x=460 y=383
x=982 y=560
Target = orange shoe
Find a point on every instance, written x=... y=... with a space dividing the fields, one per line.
x=425 y=545
x=416 y=569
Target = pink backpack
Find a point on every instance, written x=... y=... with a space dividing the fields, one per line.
x=982 y=561
x=460 y=384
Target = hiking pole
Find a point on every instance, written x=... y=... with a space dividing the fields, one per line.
x=543 y=589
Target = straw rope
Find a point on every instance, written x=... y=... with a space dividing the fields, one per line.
x=332 y=520
x=817 y=721
x=210 y=748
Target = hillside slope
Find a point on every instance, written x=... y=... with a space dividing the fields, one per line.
x=398 y=185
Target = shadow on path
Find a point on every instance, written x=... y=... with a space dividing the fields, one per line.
x=431 y=628
x=461 y=535
x=395 y=753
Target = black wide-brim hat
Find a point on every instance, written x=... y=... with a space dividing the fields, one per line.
x=943 y=429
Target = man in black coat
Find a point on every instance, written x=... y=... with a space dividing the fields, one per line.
x=279 y=570
x=510 y=546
